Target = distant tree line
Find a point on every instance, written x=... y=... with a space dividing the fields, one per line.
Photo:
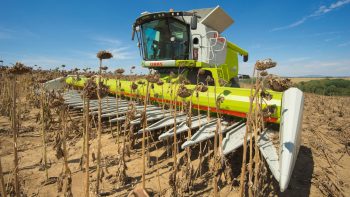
x=328 y=87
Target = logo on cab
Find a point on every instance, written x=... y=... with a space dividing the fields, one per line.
x=156 y=64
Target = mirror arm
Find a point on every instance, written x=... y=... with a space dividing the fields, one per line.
x=133 y=32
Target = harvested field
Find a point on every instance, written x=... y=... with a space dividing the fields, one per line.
x=300 y=79
x=322 y=168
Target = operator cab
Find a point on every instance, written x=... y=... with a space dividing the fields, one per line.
x=165 y=39
x=189 y=40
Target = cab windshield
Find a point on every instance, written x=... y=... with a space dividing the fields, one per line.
x=165 y=39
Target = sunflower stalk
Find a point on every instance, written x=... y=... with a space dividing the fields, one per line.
x=2 y=183
x=254 y=127
x=15 y=133
x=87 y=145
x=67 y=172
x=99 y=131
x=84 y=132
x=43 y=132
x=100 y=55
x=144 y=123
x=117 y=103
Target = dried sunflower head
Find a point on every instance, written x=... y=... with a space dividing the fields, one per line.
x=201 y=88
x=141 y=82
x=153 y=78
x=263 y=73
x=220 y=100
x=90 y=89
x=269 y=110
x=278 y=84
x=75 y=70
x=42 y=80
x=265 y=64
x=134 y=86
x=3 y=68
x=88 y=75
x=222 y=82
x=183 y=92
x=104 y=68
x=56 y=100
x=104 y=55
x=266 y=95
x=184 y=80
x=103 y=89
x=119 y=71
x=19 y=69
x=160 y=82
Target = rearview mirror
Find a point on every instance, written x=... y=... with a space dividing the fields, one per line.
x=194 y=22
x=133 y=35
x=245 y=58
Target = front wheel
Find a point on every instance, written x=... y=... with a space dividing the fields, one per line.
x=235 y=82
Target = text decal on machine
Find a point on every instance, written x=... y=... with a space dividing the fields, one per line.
x=156 y=64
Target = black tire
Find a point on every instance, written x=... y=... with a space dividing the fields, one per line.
x=235 y=82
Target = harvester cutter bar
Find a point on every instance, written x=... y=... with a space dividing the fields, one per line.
x=124 y=110
x=234 y=139
x=196 y=122
x=138 y=115
x=270 y=154
x=152 y=117
x=208 y=131
x=167 y=121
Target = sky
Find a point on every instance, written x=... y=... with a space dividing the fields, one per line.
x=304 y=37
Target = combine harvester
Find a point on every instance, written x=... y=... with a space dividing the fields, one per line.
x=185 y=42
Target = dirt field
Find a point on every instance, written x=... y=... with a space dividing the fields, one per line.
x=297 y=80
x=322 y=168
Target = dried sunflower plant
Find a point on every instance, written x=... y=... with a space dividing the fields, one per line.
x=259 y=112
x=14 y=72
x=65 y=179
x=102 y=91
x=119 y=73
x=201 y=88
x=186 y=179
x=89 y=92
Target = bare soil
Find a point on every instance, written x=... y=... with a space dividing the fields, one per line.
x=322 y=168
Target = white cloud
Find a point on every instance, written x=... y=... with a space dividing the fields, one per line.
x=324 y=9
x=321 y=11
x=107 y=41
x=295 y=24
x=124 y=53
x=344 y=44
x=331 y=39
x=314 y=67
x=18 y=33
x=115 y=46
x=298 y=59
x=120 y=53
x=302 y=66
